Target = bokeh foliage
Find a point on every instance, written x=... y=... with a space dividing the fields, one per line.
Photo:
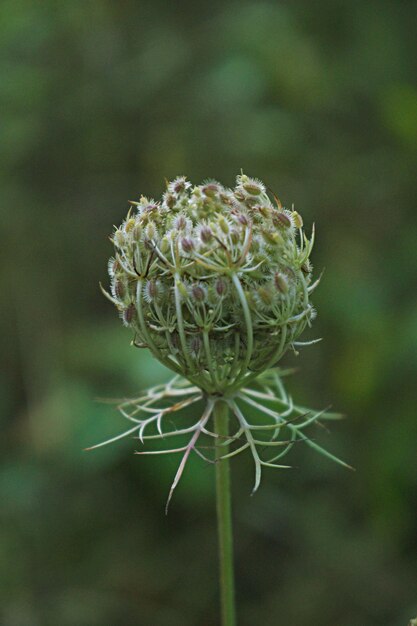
x=102 y=100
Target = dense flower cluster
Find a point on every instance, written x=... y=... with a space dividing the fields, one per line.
x=214 y=281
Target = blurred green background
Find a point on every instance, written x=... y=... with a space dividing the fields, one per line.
x=100 y=101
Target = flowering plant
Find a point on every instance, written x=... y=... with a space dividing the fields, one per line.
x=216 y=283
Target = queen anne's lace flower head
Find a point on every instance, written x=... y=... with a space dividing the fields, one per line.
x=214 y=281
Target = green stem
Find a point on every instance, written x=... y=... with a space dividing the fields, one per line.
x=224 y=517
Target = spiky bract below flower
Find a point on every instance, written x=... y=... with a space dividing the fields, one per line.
x=214 y=281
x=274 y=426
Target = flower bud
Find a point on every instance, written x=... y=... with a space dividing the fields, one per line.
x=306 y=267
x=179 y=185
x=224 y=226
x=151 y=231
x=119 y=238
x=112 y=266
x=119 y=289
x=182 y=289
x=210 y=190
x=180 y=222
x=129 y=314
x=137 y=232
x=164 y=245
x=235 y=236
x=129 y=225
x=242 y=219
x=264 y=211
x=252 y=187
x=297 y=219
x=206 y=234
x=169 y=200
x=198 y=293
x=281 y=220
x=226 y=199
x=272 y=237
x=187 y=244
x=220 y=287
x=281 y=282
x=152 y=290
x=266 y=296
x=251 y=202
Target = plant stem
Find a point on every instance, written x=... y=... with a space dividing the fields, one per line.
x=224 y=517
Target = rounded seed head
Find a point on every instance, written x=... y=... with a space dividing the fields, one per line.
x=213 y=279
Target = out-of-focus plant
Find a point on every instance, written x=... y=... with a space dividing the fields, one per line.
x=216 y=282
